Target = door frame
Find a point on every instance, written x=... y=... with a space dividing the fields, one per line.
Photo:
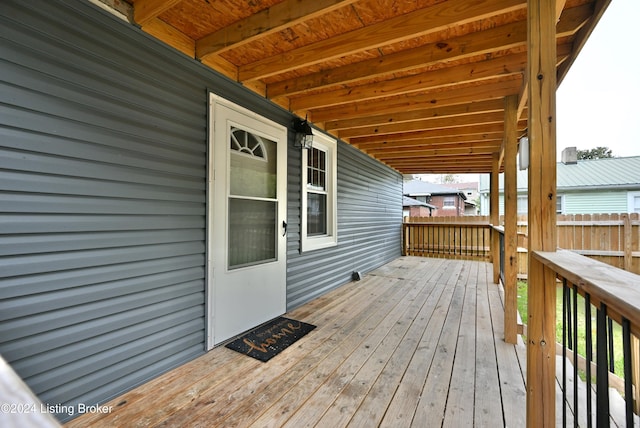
x=213 y=100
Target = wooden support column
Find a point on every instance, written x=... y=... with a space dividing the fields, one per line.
x=510 y=220
x=541 y=77
x=494 y=216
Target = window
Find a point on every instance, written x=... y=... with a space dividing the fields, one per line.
x=319 y=200
x=522 y=205
x=633 y=205
x=560 y=204
x=449 y=202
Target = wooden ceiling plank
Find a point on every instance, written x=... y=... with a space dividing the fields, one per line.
x=503 y=37
x=422 y=125
x=505 y=65
x=462 y=151
x=460 y=131
x=436 y=142
x=146 y=10
x=489 y=90
x=499 y=38
x=434 y=112
x=400 y=28
x=266 y=22
x=433 y=164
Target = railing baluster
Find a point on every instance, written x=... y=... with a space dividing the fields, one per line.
x=602 y=375
x=589 y=355
x=575 y=354
x=628 y=387
x=565 y=322
x=569 y=324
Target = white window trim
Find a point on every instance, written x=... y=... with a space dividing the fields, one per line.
x=562 y=204
x=630 y=200
x=310 y=243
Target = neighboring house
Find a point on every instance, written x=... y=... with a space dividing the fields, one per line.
x=597 y=186
x=447 y=201
x=115 y=224
x=415 y=208
x=471 y=193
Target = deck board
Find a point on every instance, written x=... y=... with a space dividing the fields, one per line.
x=418 y=342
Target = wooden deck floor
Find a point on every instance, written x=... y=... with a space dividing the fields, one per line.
x=418 y=342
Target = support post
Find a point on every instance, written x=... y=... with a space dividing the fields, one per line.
x=510 y=220
x=494 y=215
x=541 y=77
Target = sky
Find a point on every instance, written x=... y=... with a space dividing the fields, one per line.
x=596 y=103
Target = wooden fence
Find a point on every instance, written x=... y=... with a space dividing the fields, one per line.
x=610 y=238
x=460 y=240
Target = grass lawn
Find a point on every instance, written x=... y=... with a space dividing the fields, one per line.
x=617 y=329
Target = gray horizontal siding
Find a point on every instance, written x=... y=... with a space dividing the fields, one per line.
x=369 y=226
x=103 y=138
x=102 y=203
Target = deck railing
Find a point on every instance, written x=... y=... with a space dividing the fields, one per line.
x=591 y=288
x=449 y=240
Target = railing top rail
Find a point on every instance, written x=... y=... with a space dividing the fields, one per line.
x=441 y=223
x=617 y=288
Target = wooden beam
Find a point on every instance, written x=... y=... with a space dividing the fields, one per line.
x=510 y=220
x=542 y=83
x=505 y=37
x=408 y=116
x=462 y=132
x=268 y=21
x=583 y=35
x=424 y=125
x=475 y=71
x=488 y=90
x=434 y=143
x=435 y=150
x=170 y=35
x=422 y=22
x=440 y=154
x=146 y=10
x=494 y=215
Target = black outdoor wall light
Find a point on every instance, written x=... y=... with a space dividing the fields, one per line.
x=304 y=134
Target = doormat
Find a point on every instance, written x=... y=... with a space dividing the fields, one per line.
x=268 y=340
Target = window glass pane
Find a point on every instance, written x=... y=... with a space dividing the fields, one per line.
x=252 y=232
x=253 y=165
x=636 y=204
x=316 y=169
x=522 y=205
x=316 y=214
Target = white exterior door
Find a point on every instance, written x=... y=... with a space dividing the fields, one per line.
x=246 y=224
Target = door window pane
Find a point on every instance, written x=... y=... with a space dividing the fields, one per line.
x=252 y=232
x=253 y=165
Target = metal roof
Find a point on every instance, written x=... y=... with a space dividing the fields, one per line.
x=608 y=173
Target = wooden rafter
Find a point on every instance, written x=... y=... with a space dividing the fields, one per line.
x=268 y=21
x=398 y=80
x=395 y=30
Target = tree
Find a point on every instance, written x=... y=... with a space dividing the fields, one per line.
x=448 y=178
x=597 y=153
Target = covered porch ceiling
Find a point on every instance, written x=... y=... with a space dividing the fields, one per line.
x=418 y=85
